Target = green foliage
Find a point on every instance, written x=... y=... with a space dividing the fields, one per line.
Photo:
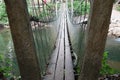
x=106 y=69
x=77 y=69
x=50 y=6
x=45 y=14
x=42 y=13
x=78 y=8
x=3 y=14
x=81 y=10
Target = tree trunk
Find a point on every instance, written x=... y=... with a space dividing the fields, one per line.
x=96 y=37
x=23 y=39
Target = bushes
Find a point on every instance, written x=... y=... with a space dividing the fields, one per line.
x=8 y=63
x=106 y=69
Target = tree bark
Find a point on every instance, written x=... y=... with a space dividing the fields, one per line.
x=96 y=37
x=23 y=39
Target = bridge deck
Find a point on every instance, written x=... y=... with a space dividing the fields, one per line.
x=60 y=66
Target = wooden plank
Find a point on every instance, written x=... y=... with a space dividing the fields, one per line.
x=50 y=73
x=60 y=64
x=59 y=74
x=69 y=73
x=51 y=68
x=60 y=67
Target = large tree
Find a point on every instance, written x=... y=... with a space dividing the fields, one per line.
x=98 y=25
x=23 y=39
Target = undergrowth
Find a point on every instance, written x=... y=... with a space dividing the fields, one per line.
x=106 y=69
x=3 y=14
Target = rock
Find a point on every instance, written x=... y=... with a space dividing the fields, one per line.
x=116 y=32
x=118 y=24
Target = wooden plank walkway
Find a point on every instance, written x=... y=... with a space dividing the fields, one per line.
x=60 y=66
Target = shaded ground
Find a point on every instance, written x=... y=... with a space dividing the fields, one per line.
x=110 y=77
x=1 y=26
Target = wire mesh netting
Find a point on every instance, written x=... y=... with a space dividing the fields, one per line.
x=44 y=19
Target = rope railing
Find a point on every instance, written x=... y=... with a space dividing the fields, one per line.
x=45 y=27
x=77 y=27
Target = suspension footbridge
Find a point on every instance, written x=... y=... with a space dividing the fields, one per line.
x=56 y=37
